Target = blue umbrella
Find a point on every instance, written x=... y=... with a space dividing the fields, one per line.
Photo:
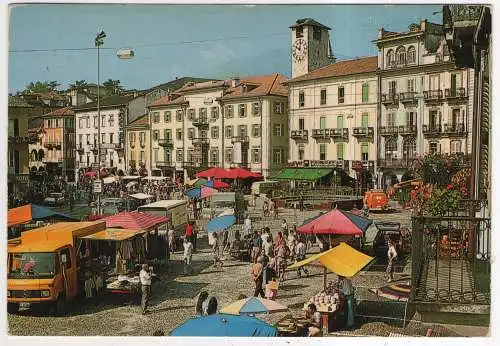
x=200 y=192
x=220 y=223
x=225 y=325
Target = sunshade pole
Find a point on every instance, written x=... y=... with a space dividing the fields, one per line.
x=325 y=273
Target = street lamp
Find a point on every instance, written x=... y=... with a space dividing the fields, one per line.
x=99 y=41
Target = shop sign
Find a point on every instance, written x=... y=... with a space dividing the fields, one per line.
x=97 y=186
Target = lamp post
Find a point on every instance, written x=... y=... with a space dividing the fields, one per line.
x=99 y=40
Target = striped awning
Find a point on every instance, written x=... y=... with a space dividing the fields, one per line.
x=135 y=220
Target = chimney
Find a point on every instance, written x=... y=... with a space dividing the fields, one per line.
x=235 y=81
x=380 y=33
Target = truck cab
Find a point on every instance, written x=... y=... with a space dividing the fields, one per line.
x=222 y=201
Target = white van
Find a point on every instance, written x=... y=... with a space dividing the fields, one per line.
x=174 y=209
x=263 y=187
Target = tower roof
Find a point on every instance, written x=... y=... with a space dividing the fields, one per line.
x=308 y=21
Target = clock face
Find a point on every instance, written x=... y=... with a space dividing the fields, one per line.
x=299 y=50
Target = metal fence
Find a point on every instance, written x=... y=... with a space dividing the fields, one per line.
x=451 y=259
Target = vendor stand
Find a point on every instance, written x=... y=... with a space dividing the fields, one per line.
x=342 y=260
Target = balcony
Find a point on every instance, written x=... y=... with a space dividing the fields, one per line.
x=455 y=96
x=165 y=142
x=340 y=134
x=321 y=134
x=407 y=130
x=200 y=122
x=132 y=163
x=389 y=130
x=343 y=164
x=214 y=163
x=16 y=139
x=431 y=130
x=394 y=163
x=363 y=132
x=408 y=97
x=53 y=145
x=366 y=164
x=433 y=96
x=164 y=164
x=94 y=147
x=240 y=139
x=200 y=141
x=143 y=144
x=390 y=99
x=454 y=129
x=299 y=135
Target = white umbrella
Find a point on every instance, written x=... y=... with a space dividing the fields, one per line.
x=132 y=183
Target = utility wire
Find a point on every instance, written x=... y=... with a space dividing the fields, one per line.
x=145 y=45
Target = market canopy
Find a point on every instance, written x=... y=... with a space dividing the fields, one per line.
x=110 y=180
x=200 y=192
x=216 y=184
x=135 y=220
x=233 y=173
x=336 y=221
x=216 y=172
x=141 y=195
x=342 y=260
x=253 y=305
x=241 y=173
x=131 y=177
x=114 y=234
x=308 y=174
x=30 y=212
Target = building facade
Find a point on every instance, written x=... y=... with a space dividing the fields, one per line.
x=114 y=112
x=137 y=146
x=425 y=100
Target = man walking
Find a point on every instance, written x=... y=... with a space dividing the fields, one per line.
x=257 y=276
x=188 y=256
x=256 y=246
x=145 y=277
x=300 y=254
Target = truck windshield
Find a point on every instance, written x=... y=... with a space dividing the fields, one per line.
x=32 y=265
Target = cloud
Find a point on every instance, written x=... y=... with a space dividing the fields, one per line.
x=217 y=53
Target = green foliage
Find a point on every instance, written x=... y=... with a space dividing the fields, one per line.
x=437 y=169
x=443 y=201
x=112 y=87
x=41 y=87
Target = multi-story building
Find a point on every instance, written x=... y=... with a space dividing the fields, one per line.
x=114 y=111
x=241 y=122
x=333 y=109
x=137 y=145
x=425 y=100
x=55 y=148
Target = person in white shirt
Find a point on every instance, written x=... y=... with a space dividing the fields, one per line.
x=145 y=277
x=348 y=291
x=247 y=226
x=284 y=226
x=300 y=254
x=171 y=239
x=315 y=320
x=391 y=256
x=188 y=256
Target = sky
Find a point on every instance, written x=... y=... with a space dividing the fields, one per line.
x=169 y=41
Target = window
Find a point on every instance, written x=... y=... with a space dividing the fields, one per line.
x=95 y=139
x=340 y=121
x=392 y=87
x=155 y=155
x=11 y=159
x=167 y=116
x=87 y=122
x=256 y=130
x=242 y=130
x=103 y=138
x=301 y=124
x=167 y=134
x=340 y=151
x=434 y=82
x=256 y=155
x=229 y=131
x=80 y=139
x=242 y=110
x=203 y=134
x=391 y=148
x=214 y=131
x=299 y=32
x=103 y=121
x=277 y=156
x=278 y=108
x=228 y=157
x=322 y=151
x=215 y=112
x=179 y=156
x=88 y=139
x=80 y=123
x=111 y=120
x=111 y=138
x=167 y=155
x=391 y=119
x=434 y=120
x=364 y=151
x=364 y=120
x=143 y=156
x=66 y=254
x=411 y=118
x=433 y=148
x=191 y=114
x=317 y=33
x=301 y=99
x=156 y=135
x=322 y=100
x=364 y=92
x=410 y=85
x=229 y=111
x=411 y=56
x=341 y=94
x=401 y=56
x=278 y=130
x=178 y=134
x=322 y=123
x=455 y=147
x=390 y=58
x=202 y=112
x=301 y=152
x=178 y=115
x=191 y=133
x=409 y=149
x=255 y=108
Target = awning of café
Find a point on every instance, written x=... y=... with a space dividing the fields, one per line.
x=307 y=174
x=135 y=220
x=114 y=234
x=342 y=260
x=30 y=212
x=336 y=221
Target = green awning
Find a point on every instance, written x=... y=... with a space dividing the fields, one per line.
x=309 y=174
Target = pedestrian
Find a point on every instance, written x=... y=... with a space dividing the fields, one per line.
x=300 y=255
x=278 y=241
x=315 y=320
x=247 y=225
x=189 y=231
x=265 y=209
x=256 y=246
x=171 y=239
x=282 y=253
x=348 y=292
x=216 y=250
x=391 y=257
x=145 y=278
x=284 y=226
x=188 y=256
x=301 y=201
x=268 y=275
x=266 y=245
x=256 y=272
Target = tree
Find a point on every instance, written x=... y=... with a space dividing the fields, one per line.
x=79 y=85
x=112 y=86
x=41 y=87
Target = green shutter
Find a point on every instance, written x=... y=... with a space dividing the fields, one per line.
x=365 y=93
x=340 y=151
x=322 y=123
x=364 y=148
x=340 y=121
x=364 y=120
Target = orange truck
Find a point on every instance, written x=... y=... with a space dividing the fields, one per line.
x=42 y=265
x=376 y=200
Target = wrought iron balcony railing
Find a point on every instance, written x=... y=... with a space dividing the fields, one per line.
x=299 y=134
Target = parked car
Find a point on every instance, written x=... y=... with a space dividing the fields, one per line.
x=386 y=231
x=54 y=198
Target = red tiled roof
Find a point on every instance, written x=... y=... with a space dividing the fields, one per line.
x=66 y=111
x=204 y=85
x=258 y=86
x=142 y=121
x=167 y=101
x=341 y=68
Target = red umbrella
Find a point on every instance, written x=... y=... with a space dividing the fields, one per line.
x=214 y=172
x=90 y=174
x=336 y=222
x=135 y=220
x=241 y=173
x=216 y=184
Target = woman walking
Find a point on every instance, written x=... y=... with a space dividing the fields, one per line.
x=391 y=256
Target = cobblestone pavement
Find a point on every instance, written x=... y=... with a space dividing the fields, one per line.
x=173 y=297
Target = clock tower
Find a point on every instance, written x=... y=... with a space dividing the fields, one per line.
x=311 y=47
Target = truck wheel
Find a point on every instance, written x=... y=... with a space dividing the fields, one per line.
x=12 y=308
